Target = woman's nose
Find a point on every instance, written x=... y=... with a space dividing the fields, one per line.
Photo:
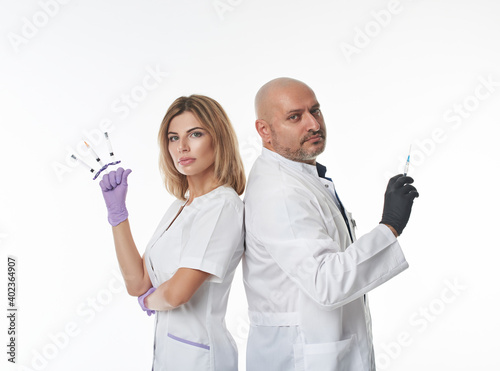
x=182 y=146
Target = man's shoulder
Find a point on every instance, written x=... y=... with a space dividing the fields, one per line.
x=267 y=171
x=264 y=165
x=271 y=178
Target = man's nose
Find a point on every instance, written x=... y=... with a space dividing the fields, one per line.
x=312 y=122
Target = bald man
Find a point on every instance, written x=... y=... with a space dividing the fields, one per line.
x=305 y=273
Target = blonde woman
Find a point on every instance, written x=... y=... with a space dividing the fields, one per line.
x=186 y=271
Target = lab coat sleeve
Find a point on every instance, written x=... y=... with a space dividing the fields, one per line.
x=291 y=228
x=215 y=235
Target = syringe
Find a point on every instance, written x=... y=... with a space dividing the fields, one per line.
x=407 y=165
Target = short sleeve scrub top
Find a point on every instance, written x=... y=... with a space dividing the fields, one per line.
x=207 y=235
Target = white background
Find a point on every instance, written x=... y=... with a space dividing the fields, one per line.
x=388 y=74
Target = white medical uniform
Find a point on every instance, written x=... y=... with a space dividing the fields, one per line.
x=207 y=235
x=305 y=281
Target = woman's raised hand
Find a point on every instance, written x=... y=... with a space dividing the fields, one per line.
x=114 y=189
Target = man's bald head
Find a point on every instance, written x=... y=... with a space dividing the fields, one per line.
x=289 y=120
x=270 y=95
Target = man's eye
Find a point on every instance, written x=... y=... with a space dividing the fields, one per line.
x=173 y=138
x=316 y=112
x=293 y=117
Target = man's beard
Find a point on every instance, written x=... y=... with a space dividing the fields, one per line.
x=299 y=155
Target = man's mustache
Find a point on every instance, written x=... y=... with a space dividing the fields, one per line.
x=320 y=133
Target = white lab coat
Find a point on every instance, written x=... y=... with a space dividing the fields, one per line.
x=208 y=236
x=305 y=281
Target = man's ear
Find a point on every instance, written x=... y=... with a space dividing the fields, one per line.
x=264 y=130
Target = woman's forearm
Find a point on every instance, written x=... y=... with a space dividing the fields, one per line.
x=158 y=299
x=131 y=263
x=177 y=290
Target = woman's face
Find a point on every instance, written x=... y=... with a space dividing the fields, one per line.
x=190 y=146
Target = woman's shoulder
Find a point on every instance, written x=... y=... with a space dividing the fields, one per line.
x=223 y=195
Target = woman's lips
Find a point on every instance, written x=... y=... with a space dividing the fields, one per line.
x=183 y=161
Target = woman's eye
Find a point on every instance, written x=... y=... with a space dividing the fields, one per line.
x=196 y=134
x=173 y=138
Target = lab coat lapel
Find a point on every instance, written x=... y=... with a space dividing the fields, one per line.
x=315 y=182
x=316 y=186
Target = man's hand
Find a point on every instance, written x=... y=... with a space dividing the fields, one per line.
x=398 y=202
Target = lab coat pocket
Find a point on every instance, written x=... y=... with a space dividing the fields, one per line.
x=341 y=355
x=184 y=354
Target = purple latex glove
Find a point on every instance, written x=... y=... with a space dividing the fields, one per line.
x=114 y=189
x=141 y=301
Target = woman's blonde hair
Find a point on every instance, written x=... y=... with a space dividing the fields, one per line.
x=228 y=165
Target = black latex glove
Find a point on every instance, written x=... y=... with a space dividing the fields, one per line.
x=398 y=201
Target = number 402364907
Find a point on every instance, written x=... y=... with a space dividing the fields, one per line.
x=11 y=285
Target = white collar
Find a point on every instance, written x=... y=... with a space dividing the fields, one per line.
x=301 y=166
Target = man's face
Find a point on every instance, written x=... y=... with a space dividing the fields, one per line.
x=297 y=127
